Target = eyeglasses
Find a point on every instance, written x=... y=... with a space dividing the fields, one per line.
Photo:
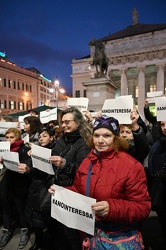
x=66 y=122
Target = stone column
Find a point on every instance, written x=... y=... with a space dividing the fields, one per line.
x=124 y=87
x=160 y=78
x=141 y=89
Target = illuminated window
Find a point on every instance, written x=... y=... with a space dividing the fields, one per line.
x=2 y=104
x=12 y=105
x=136 y=91
x=21 y=106
x=152 y=88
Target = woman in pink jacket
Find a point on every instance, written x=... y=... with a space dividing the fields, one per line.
x=118 y=182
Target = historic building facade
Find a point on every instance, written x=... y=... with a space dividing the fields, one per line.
x=23 y=89
x=137 y=59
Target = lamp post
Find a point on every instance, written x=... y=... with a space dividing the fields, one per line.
x=56 y=84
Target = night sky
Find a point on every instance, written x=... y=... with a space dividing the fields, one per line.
x=48 y=34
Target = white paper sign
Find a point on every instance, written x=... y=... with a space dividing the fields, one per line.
x=46 y=116
x=151 y=96
x=25 y=137
x=81 y=103
x=4 y=146
x=119 y=108
x=11 y=160
x=73 y=209
x=40 y=156
x=4 y=126
x=160 y=103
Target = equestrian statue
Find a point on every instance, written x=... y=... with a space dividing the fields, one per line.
x=100 y=60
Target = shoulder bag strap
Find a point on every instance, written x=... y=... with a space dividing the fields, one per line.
x=88 y=179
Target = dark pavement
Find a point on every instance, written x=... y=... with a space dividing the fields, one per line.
x=151 y=235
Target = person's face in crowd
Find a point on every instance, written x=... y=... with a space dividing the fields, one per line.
x=103 y=139
x=11 y=138
x=68 y=124
x=44 y=139
x=163 y=127
x=26 y=126
x=126 y=132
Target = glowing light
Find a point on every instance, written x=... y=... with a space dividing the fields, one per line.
x=45 y=78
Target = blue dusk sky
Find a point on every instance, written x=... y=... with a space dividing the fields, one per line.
x=48 y=34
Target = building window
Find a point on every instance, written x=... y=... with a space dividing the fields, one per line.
x=21 y=105
x=12 y=105
x=4 y=82
x=152 y=88
x=26 y=87
x=23 y=86
x=18 y=86
x=9 y=83
x=30 y=88
x=77 y=93
x=14 y=84
x=2 y=104
x=84 y=92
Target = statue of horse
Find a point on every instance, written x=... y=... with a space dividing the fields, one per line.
x=100 y=60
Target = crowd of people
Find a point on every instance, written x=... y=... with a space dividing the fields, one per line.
x=120 y=162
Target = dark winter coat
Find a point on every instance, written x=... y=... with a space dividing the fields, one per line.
x=15 y=183
x=157 y=174
x=74 y=149
x=153 y=120
x=139 y=146
x=39 y=181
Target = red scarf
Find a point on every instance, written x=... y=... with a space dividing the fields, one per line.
x=14 y=147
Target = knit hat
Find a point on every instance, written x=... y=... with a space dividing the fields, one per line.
x=107 y=122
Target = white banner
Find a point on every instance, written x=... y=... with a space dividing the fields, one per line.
x=40 y=156
x=119 y=108
x=73 y=209
x=48 y=115
x=11 y=160
x=81 y=103
x=160 y=103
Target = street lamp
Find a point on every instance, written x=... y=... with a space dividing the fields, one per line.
x=56 y=84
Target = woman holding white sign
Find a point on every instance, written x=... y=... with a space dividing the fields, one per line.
x=16 y=190
x=70 y=150
x=40 y=179
x=118 y=182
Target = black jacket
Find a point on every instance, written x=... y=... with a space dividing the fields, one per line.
x=74 y=149
x=139 y=149
x=153 y=120
x=39 y=181
x=15 y=183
